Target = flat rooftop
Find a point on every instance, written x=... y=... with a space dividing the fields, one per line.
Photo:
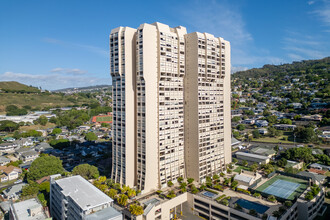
x=22 y=210
x=85 y=194
x=104 y=214
x=257 y=156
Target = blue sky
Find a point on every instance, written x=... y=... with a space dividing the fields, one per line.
x=64 y=43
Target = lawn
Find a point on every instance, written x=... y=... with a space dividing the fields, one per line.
x=302 y=187
x=37 y=127
x=239 y=168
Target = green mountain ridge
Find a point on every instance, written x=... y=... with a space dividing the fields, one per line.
x=320 y=66
x=13 y=86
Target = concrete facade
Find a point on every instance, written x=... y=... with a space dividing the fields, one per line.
x=170 y=98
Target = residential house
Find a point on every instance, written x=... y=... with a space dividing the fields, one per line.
x=263 y=131
x=9 y=173
x=13 y=192
x=261 y=123
x=7 y=147
x=285 y=127
x=4 y=161
x=29 y=156
x=295 y=105
x=249 y=121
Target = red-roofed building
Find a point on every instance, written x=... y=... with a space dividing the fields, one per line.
x=322 y=172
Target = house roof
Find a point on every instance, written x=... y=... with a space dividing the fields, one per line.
x=263 y=151
x=314 y=176
x=9 y=169
x=14 y=189
x=252 y=155
x=243 y=178
x=43 y=179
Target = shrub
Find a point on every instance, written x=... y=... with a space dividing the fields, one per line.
x=224 y=202
x=180 y=179
x=169 y=183
x=288 y=203
x=309 y=196
x=244 y=191
x=159 y=191
x=212 y=191
x=220 y=197
x=253 y=212
x=271 y=198
x=238 y=207
x=257 y=195
x=218 y=187
x=190 y=180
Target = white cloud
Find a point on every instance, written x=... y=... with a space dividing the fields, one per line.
x=55 y=80
x=235 y=69
x=97 y=50
x=300 y=46
x=322 y=12
x=310 y=2
x=68 y=71
x=217 y=18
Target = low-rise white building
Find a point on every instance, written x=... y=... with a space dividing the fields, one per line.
x=76 y=198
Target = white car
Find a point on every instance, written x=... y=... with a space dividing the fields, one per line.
x=18 y=181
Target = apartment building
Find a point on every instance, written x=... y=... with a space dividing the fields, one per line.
x=160 y=70
x=122 y=69
x=76 y=198
x=207 y=105
x=154 y=80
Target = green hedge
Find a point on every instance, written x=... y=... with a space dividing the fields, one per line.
x=244 y=191
x=212 y=191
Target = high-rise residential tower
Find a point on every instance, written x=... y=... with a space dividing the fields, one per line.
x=122 y=69
x=170 y=119
x=207 y=105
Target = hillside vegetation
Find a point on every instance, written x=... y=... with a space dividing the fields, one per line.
x=12 y=86
x=305 y=67
x=20 y=95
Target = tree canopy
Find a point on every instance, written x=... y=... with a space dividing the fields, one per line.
x=44 y=165
x=87 y=171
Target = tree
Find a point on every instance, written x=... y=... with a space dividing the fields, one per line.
x=244 y=163
x=271 y=119
x=56 y=131
x=169 y=183
x=112 y=193
x=282 y=162
x=307 y=135
x=122 y=199
x=180 y=179
x=136 y=209
x=91 y=136
x=285 y=121
x=190 y=180
x=44 y=166
x=87 y=171
x=30 y=190
x=234 y=160
x=240 y=127
x=254 y=167
x=256 y=133
x=42 y=120
x=236 y=119
x=7 y=125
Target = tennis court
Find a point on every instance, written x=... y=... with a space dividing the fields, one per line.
x=283 y=187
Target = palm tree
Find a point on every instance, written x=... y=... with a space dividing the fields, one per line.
x=136 y=209
x=122 y=199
